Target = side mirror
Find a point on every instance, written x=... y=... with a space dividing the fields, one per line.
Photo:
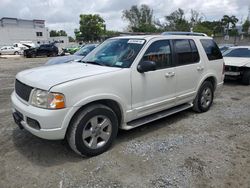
x=146 y=66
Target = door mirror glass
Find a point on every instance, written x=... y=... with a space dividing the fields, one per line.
x=146 y=66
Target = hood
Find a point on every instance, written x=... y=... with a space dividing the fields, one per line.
x=63 y=59
x=48 y=76
x=237 y=61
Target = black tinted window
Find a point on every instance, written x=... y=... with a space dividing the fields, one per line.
x=160 y=53
x=212 y=50
x=186 y=52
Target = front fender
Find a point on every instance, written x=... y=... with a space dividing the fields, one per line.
x=91 y=99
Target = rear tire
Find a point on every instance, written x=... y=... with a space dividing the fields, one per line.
x=204 y=98
x=246 y=77
x=16 y=53
x=93 y=130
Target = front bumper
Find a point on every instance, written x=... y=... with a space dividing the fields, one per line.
x=50 y=121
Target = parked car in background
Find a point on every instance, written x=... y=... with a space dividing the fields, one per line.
x=237 y=63
x=75 y=57
x=71 y=50
x=42 y=50
x=124 y=83
x=24 y=45
x=224 y=47
x=10 y=50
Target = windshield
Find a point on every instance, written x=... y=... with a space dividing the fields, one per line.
x=85 y=50
x=116 y=52
x=238 y=52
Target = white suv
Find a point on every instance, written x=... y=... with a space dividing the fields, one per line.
x=124 y=83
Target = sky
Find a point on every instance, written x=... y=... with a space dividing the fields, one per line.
x=64 y=14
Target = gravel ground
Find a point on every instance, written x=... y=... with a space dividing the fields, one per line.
x=184 y=150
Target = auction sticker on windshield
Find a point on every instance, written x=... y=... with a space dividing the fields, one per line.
x=132 y=41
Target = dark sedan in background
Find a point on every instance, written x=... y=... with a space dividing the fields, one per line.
x=42 y=50
x=75 y=57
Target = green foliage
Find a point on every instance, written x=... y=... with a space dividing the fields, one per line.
x=54 y=33
x=92 y=27
x=227 y=20
x=245 y=26
x=200 y=28
x=209 y=27
x=109 y=34
x=174 y=22
x=140 y=19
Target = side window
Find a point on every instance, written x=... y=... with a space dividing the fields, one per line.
x=212 y=50
x=195 y=53
x=186 y=51
x=160 y=53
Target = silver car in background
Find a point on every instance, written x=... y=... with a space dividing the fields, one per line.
x=10 y=50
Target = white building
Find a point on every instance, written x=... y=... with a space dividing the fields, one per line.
x=13 y=30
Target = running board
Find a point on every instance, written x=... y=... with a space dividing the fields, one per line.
x=156 y=116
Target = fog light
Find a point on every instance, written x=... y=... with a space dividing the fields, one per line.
x=33 y=123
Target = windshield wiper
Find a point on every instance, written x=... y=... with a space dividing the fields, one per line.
x=93 y=62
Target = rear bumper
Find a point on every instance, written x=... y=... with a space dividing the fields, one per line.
x=50 y=121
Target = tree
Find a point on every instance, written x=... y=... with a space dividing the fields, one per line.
x=109 y=34
x=62 y=33
x=92 y=27
x=200 y=28
x=246 y=26
x=229 y=20
x=54 y=33
x=209 y=27
x=140 y=18
x=195 y=18
x=176 y=21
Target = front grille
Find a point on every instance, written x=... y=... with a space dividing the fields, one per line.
x=22 y=90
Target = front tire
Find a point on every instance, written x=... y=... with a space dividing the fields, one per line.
x=93 y=130
x=204 y=98
x=16 y=53
x=246 y=77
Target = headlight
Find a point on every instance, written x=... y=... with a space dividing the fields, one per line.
x=49 y=100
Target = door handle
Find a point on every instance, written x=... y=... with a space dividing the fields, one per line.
x=170 y=74
x=200 y=68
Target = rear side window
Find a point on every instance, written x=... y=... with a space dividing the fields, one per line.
x=160 y=53
x=186 y=51
x=212 y=50
x=195 y=53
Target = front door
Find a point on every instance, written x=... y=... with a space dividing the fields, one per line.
x=154 y=91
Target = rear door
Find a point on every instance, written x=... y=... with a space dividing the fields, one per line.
x=189 y=69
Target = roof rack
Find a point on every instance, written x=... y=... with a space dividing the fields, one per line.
x=184 y=33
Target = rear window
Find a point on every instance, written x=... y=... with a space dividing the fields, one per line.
x=186 y=51
x=212 y=50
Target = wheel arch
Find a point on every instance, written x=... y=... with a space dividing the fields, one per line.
x=210 y=78
x=111 y=103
